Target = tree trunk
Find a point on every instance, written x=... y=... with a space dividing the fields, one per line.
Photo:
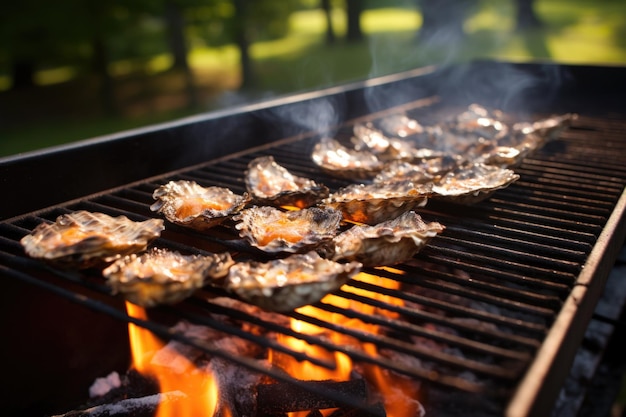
x=330 y=32
x=178 y=47
x=442 y=21
x=354 y=8
x=241 y=39
x=526 y=16
x=22 y=74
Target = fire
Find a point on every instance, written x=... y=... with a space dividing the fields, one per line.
x=176 y=373
x=399 y=394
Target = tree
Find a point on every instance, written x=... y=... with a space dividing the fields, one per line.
x=526 y=16
x=330 y=32
x=354 y=9
x=442 y=21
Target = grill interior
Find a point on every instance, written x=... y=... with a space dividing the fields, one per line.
x=478 y=303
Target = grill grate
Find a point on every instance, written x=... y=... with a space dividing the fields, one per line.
x=479 y=300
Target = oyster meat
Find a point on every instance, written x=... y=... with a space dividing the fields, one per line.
x=270 y=183
x=160 y=276
x=344 y=162
x=367 y=138
x=274 y=231
x=285 y=284
x=387 y=243
x=84 y=239
x=189 y=204
x=377 y=202
x=473 y=183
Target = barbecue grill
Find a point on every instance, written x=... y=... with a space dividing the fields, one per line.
x=493 y=309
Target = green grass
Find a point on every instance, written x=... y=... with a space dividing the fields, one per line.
x=65 y=108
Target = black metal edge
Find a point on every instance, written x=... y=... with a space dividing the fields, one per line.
x=538 y=390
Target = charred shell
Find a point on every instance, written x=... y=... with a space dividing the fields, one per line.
x=161 y=276
x=378 y=202
x=84 y=239
x=273 y=231
x=272 y=184
x=188 y=204
x=344 y=162
x=387 y=243
x=473 y=183
x=285 y=284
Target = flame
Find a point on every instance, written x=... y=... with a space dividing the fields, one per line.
x=399 y=394
x=177 y=374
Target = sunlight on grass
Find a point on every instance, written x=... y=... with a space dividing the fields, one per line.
x=390 y=20
x=55 y=75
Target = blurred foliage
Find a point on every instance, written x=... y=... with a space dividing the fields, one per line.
x=81 y=53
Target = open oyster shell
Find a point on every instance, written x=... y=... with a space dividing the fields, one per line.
x=368 y=138
x=377 y=202
x=285 y=284
x=272 y=184
x=274 y=231
x=400 y=125
x=189 y=204
x=387 y=243
x=473 y=183
x=84 y=239
x=343 y=162
x=161 y=276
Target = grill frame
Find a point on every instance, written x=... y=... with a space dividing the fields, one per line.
x=540 y=386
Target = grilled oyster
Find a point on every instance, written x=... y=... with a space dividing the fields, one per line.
x=273 y=230
x=189 y=204
x=84 y=239
x=161 y=276
x=344 y=162
x=378 y=202
x=368 y=138
x=285 y=284
x=480 y=122
x=473 y=183
x=270 y=183
x=386 y=243
x=400 y=125
x=421 y=172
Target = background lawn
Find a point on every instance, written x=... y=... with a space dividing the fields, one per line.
x=64 y=107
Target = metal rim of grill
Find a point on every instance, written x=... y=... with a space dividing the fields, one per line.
x=532 y=260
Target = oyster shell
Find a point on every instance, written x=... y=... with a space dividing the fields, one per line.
x=84 y=239
x=368 y=138
x=422 y=172
x=386 y=243
x=270 y=183
x=344 y=162
x=189 y=204
x=160 y=276
x=273 y=230
x=378 y=202
x=400 y=125
x=473 y=183
x=285 y=284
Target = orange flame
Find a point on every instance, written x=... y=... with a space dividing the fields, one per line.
x=399 y=394
x=177 y=373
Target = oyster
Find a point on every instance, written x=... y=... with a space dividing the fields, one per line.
x=386 y=243
x=285 y=284
x=378 y=202
x=270 y=183
x=400 y=125
x=160 y=276
x=84 y=239
x=473 y=183
x=368 y=138
x=189 y=204
x=422 y=172
x=480 y=122
x=344 y=162
x=273 y=230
